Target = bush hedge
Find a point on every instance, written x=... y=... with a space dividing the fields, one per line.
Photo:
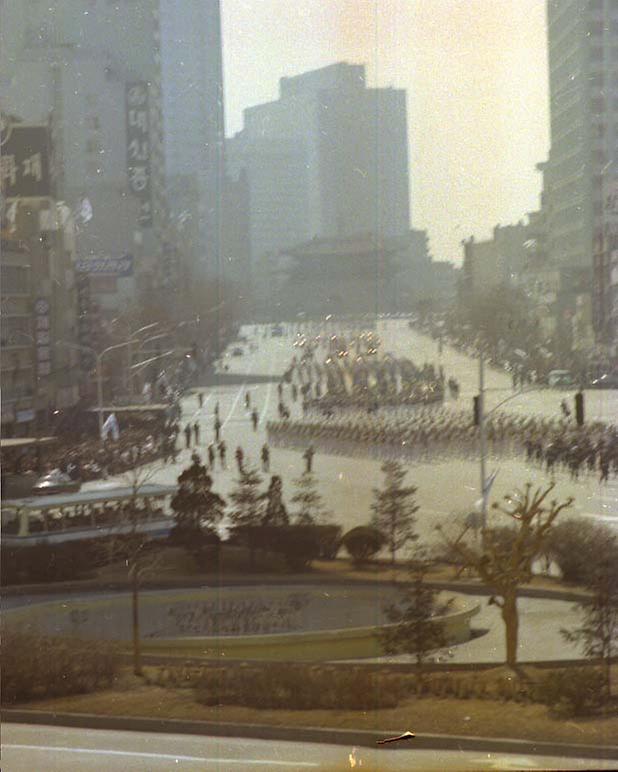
x=299 y=544
x=363 y=542
x=576 y=546
x=298 y=687
x=37 y=667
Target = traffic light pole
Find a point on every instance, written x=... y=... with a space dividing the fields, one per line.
x=483 y=441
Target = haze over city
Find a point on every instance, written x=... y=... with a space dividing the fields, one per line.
x=476 y=75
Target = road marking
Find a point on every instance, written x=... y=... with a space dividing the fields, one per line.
x=142 y=754
x=229 y=415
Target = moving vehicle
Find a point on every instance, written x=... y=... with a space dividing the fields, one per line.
x=276 y=331
x=55 y=482
x=93 y=514
x=560 y=378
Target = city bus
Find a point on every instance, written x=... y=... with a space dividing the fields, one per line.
x=88 y=515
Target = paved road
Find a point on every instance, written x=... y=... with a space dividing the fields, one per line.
x=58 y=749
x=446 y=485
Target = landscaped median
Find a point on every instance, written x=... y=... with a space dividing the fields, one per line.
x=313 y=622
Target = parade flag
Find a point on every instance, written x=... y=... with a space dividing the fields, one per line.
x=110 y=425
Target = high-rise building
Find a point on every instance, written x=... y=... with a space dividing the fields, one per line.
x=581 y=173
x=193 y=118
x=328 y=159
x=77 y=60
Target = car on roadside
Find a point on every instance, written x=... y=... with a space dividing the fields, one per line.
x=55 y=482
x=237 y=352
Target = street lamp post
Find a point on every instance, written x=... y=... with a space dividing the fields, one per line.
x=98 y=356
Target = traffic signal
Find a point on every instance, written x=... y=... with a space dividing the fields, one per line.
x=477 y=410
x=579 y=408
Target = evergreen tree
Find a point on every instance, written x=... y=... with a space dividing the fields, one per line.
x=394 y=507
x=275 y=512
x=599 y=629
x=309 y=505
x=197 y=508
x=414 y=627
x=247 y=501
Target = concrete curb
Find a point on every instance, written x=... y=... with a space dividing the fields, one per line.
x=92 y=586
x=348 y=737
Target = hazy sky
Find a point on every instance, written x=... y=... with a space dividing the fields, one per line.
x=476 y=76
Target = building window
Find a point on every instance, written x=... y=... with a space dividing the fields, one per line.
x=14 y=279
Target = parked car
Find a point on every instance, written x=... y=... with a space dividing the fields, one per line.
x=237 y=352
x=560 y=378
x=55 y=482
x=277 y=331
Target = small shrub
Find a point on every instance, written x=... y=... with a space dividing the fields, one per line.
x=36 y=667
x=363 y=543
x=297 y=687
x=572 y=692
x=576 y=546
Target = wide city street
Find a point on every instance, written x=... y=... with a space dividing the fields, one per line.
x=447 y=485
x=59 y=749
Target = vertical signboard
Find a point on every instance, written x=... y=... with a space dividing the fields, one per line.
x=138 y=148
x=24 y=160
x=42 y=337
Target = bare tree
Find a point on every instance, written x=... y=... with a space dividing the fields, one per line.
x=504 y=561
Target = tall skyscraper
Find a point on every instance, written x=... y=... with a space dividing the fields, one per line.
x=581 y=174
x=193 y=118
x=76 y=61
x=327 y=159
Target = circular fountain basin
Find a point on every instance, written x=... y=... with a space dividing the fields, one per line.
x=257 y=622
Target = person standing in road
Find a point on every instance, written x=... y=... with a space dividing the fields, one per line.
x=196 y=432
x=200 y=399
x=308 y=456
x=265 y=454
x=217 y=429
x=217 y=410
x=222 y=452
x=188 y=435
x=254 y=419
x=211 y=456
x=239 y=458
x=247 y=400
x=280 y=389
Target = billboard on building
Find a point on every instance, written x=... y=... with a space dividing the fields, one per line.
x=24 y=161
x=138 y=148
x=106 y=265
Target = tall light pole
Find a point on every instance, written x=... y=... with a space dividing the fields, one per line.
x=98 y=356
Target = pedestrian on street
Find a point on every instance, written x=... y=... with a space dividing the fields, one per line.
x=196 y=432
x=217 y=410
x=254 y=419
x=308 y=456
x=265 y=454
x=280 y=389
x=188 y=435
x=200 y=399
x=294 y=392
x=195 y=459
x=239 y=458
x=222 y=452
x=217 y=429
x=211 y=456
x=247 y=400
